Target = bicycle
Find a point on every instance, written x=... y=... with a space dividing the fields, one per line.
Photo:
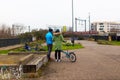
x=70 y=55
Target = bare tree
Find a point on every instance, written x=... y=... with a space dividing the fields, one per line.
x=5 y=31
x=17 y=29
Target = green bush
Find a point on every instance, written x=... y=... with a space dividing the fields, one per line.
x=68 y=44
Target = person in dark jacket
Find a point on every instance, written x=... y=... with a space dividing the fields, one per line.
x=49 y=42
x=27 y=47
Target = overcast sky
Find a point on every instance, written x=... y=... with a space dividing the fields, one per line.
x=40 y=13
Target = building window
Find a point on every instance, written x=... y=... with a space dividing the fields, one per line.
x=100 y=28
x=100 y=23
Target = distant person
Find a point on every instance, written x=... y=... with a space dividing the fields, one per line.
x=72 y=41
x=49 y=42
x=27 y=47
x=58 y=39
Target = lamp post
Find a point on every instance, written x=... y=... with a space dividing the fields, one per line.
x=29 y=28
x=76 y=24
x=89 y=25
x=72 y=39
x=13 y=29
x=72 y=17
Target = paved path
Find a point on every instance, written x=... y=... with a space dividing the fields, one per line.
x=94 y=62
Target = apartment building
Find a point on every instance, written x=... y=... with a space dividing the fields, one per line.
x=106 y=27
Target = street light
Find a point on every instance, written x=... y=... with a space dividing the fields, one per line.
x=72 y=17
x=89 y=25
x=29 y=28
x=72 y=39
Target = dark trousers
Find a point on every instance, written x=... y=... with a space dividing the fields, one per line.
x=57 y=54
x=49 y=46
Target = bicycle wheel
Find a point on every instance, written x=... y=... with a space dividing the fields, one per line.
x=72 y=57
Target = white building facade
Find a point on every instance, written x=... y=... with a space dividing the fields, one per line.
x=106 y=27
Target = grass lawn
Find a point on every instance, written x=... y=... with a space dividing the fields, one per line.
x=104 y=42
x=4 y=51
x=67 y=46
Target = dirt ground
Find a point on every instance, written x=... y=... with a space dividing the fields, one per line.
x=94 y=62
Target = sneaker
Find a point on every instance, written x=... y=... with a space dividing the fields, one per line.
x=59 y=60
x=56 y=60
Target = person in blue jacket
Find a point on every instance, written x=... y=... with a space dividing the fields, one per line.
x=27 y=47
x=49 y=42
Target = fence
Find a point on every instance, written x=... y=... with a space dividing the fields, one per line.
x=113 y=37
x=13 y=41
x=97 y=37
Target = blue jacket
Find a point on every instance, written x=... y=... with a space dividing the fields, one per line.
x=49 y=38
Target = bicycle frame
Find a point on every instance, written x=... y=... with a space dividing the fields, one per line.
x=70 y=55
x=66 y=53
